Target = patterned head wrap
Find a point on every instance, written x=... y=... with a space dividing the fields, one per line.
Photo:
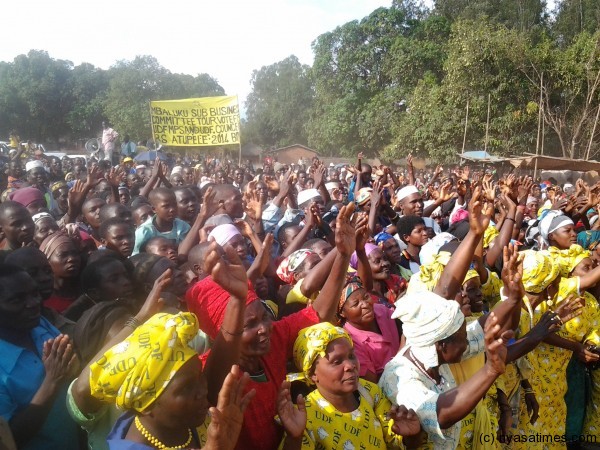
x=428 y=276
x=136 y=371
x=539 y=270
x=311 y=343
x=567 y=260
x=588 y=239
x=352 y=285
x=432 y=247
x=363 y=196
x=489 y=235
x=368 y=250
x=426 y=319
x=54 y=241
x=41 y=215
x=471 y=273
x=57 y=185
x=288 y=267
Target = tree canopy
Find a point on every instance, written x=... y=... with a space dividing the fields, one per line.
x=52 y=100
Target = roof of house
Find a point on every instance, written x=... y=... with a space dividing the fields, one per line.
x=292 y=146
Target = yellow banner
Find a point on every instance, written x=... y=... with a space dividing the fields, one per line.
x=196 y=122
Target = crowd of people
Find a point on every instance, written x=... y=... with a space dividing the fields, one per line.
x=209 y=305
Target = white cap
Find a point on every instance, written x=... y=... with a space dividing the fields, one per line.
x=406 y=191
x=33 y=164
x=331 y=185
x=307 y=195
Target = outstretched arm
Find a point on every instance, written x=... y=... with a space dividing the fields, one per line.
x=453 y=275
x=326 y=302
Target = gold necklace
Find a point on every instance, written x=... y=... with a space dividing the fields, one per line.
x=154 y=441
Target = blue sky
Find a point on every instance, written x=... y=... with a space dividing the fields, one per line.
x=227 y=39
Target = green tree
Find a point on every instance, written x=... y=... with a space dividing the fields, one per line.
x=89 y=86
x=279 y=104
x=35 y=97
x=574 y=17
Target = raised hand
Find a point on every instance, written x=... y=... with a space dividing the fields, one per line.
x=228 y=416
x=495 y=345
x=406 y=421
x=59 y=359
x=209 y=206
x=93 y=176
x=114 y=176
x=445 y=193
x=479 y=214
x=292 y=418
x=345 y=242
x=263 y=257
x=155 y=301
x=319 y=176
x=362 y=231
x=488 y=188
x=525 y=185
x=512 y=272
x=226 y=270
x=376 y=194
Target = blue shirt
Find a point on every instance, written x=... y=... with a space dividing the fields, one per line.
x=21 y=375
x=148 y=230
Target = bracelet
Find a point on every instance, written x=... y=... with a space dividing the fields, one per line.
x=239 y=333
x=529 y=391
x=510 y=218
x=133 y=323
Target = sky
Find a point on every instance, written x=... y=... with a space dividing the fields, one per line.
x=227 y=39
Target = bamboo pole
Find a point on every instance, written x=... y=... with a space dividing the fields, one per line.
x=487 y=125
x=466 y=123
x=537 y=142
x=587 y=155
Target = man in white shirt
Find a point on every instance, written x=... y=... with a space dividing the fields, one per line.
x=109 y=138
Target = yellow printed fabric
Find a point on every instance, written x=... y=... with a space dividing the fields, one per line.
x=491 y=289
x=311 y=343
x=135 y=372
x=568 y=259
x=429 y=274
x=196 y=122
x=364 y=428
x=489 y=235
x=548 y=378
x=482 y=421
x=295 y=295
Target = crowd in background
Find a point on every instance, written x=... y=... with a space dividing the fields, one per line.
x=202 y=304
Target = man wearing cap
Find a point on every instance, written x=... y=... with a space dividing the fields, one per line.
x=37 y=177
x=410 y=202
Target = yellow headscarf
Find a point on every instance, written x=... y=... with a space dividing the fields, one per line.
x=136 y=371
x=471 y=273
x=489 y=235
x=311 y=343
x=539 y=270
x=568 y=259
x=430 y=273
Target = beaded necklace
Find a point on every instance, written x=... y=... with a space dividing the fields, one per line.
x=154 y=441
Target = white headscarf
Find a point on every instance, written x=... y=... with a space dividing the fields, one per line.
x=405 y=192
x=552 y=221
x=222 y=234
x=426 y=319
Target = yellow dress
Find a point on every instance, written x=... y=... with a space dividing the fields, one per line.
x=363 y=428
x=483 y=420
x=549 y=365
x=591 y=424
